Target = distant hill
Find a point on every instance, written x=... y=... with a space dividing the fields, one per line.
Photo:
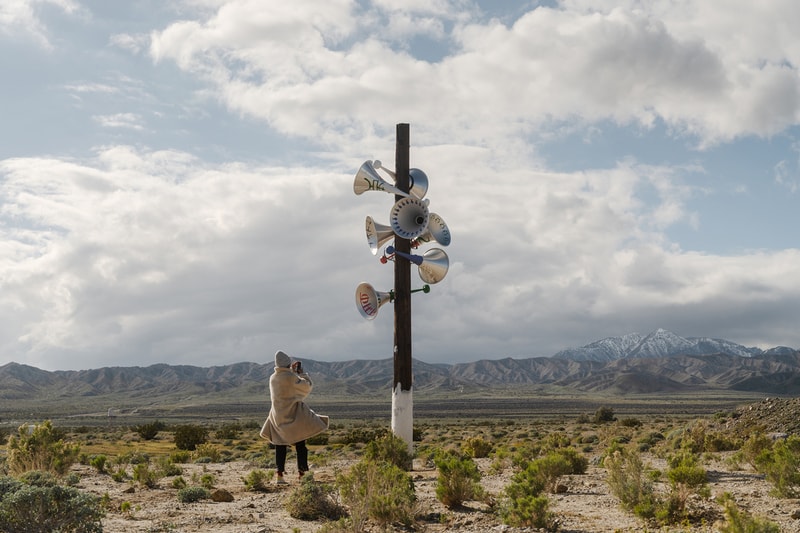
x=660 y=343
x=660 y=362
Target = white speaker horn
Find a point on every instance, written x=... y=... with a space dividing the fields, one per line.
x=437 y=231
x=368 y=179
x=377 y=235
x=409 y=218
x=433 y=264
x=417 y=179
x=369 y=301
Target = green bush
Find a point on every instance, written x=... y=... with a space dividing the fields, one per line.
x=193 y=494
x=391 y=449
x=40 y=447
x=625 y=477
x=37 y=504
x=207 y=450
x=145 y=476
x=150 y=430
x=477 y=447
x=188 y=437
x=98 y=462
x=363 y=434
x=458 y=480
x=603 y=415
x=737 y=521
x=312 y=500
x=228 y=431
x=781 y=466
x=257 y=480
x=379 y=491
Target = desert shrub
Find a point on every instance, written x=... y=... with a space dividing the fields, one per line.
x=391 y=449
x=720 y=442
x=603 y=415
x=524 y=505
x=738 y=521
x=318 y=440
x=179 y=483
x=37 y=504
x=208 y=451
x=193 y=494
x=550 y=468
x=189 y=436
x=180 y=457
x=686 y=477
x=257 y=480
x=630 y=422
x=626 y=480
x=363 y=434
x=167 y=467
x=646 y=442
x=98 y=462
x=525 y=453
x=578 y=463
x=379 y=491
x=208 y=481
x=781 y=466
x=40 y=447
x=477 y=447
x=556 y=440
x=120 y=474
x=228 y=431
x=312 y=500
x=150 y=430
x=458 y=480
x=146 y=476
x=753 y=447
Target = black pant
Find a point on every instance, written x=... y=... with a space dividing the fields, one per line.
x=302 y=457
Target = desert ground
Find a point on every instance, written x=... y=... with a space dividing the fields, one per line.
x=582 y=504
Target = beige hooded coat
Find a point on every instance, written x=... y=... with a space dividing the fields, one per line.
x=290 y=420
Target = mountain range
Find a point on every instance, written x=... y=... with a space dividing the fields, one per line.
x=660 y=362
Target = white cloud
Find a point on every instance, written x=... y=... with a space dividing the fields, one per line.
x=21 y=17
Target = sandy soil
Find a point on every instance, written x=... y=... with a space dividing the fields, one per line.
x=585 y=505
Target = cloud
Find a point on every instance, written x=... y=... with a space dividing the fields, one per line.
x=21 y=17
x=326 y=73
x=149 y=253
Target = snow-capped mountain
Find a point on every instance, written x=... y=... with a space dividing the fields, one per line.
x=660 y=343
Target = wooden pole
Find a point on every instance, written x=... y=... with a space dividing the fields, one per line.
x=402 y=402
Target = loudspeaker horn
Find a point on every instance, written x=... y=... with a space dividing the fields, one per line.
x=417 y=179
x=433 y=264
x=437 y=231
x=368 y=179
x=369 y=301
x=377 y=235
x=409 y=217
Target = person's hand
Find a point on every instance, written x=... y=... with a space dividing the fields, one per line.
x=297 y=367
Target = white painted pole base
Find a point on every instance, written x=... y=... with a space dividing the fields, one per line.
x=403 y=415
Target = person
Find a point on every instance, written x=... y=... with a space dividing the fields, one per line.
x=290 y=420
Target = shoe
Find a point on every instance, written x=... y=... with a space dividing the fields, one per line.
x=280 y=480
x=301 y=475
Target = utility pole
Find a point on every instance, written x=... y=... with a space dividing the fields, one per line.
x=402 y=395
x=411 y=225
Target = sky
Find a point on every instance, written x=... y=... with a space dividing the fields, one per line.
x=176 y=178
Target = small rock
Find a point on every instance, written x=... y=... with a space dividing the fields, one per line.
x=129 y=490
x=796 y=514
x=221 y=495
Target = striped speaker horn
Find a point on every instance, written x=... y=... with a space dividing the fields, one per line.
x=409 y=217
x=437 y=231
x=433 y=264
x=368 y=179
x=377 y=235
x=369 y=301
x=417 y=179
